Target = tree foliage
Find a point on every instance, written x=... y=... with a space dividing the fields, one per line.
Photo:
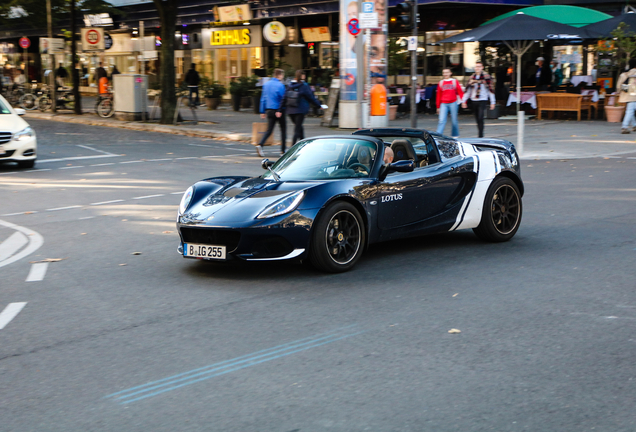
x=625 y=44
x=31 y=14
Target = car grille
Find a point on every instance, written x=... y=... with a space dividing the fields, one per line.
x=5 y=137
x=9 y=153
x=211 y=236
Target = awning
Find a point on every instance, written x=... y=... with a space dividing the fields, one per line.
x=571 y=15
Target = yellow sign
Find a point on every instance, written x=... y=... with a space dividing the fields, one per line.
x=230 y=37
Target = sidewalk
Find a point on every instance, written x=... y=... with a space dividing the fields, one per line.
x=544 y=139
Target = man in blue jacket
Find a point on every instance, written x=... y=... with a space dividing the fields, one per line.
x=273 y=108
x=299 y=96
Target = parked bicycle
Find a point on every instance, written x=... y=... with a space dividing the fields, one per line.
x=64 y=96
x=29 y=98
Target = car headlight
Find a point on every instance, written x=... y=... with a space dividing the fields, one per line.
x=285 y=205
x=185 y=200
x=23 y=134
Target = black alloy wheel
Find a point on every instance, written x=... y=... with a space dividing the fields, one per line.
x=338 y=238
x=502 y=211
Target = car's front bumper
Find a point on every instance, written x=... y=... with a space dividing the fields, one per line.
x=15 y=151
x=281 y=238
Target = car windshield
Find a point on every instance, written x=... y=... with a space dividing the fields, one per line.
x=326 y=158
x=4 y=109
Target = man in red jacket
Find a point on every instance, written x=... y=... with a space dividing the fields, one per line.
x=448 y=90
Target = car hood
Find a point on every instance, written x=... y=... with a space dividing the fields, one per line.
x=11 y=123
x=240 y=200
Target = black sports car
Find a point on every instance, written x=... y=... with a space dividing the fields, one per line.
x=330 y=197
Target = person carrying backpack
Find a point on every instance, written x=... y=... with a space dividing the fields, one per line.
x=299 y=96
x=192 y=80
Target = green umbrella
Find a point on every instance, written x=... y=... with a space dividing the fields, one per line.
x=570 y=15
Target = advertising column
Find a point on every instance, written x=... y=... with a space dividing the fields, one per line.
x=354 y=64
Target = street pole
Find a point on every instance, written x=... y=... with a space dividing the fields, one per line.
x=414 y=66
x=49 y=22
x=142 y=69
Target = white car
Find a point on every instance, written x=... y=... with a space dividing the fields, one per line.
x=18 y=142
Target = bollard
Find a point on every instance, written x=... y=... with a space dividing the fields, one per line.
x=521 y=122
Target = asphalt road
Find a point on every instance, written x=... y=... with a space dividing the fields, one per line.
x=109 y=340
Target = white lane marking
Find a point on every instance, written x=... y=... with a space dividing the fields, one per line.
x=37 y=272
x=18 y=213
x=63 y=208
x=106 y=202
x=98 y=151
x=72 y=167
x=10 y=312
x=11 y=172
x=200 y=145
x=184 y=158
x=111 y=163
x=631 y=158
x=158 y=160
x=148 y=196
x=41 y=161
x=38 y=170
x=11 y=245
x=35 y=241
x=87 y=217
x=177 y=193
x=129 y=162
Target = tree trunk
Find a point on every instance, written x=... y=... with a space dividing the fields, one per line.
x=168 y=15
x=74 y=71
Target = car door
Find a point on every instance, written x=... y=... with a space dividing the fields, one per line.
x=406 y=199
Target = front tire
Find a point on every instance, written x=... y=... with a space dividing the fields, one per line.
x=338 y=238
x=502 y=211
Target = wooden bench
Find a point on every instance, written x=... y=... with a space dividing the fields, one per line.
x=564 y=102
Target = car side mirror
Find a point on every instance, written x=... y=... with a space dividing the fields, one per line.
x=266 y=163
x=399 y=166
x=20 y=111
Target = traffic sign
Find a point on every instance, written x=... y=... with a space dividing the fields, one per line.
x=93 y=39
x=368 y=7
x=25 y=42
x=369 y=20
x=412 y=43
x=353 y=26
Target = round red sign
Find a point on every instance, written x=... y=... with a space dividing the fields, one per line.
x=25 y=42
x=92 y=37
x=353 y=26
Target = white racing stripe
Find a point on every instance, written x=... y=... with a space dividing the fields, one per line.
x=37 y=272
x=35 y=241
x=11 y=245
x=10 y=312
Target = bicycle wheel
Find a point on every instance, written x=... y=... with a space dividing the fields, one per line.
x=43 y=103
x=27 y=101
x=105 y=108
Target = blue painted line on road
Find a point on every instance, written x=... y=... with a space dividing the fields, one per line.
x=237 y=368
x=230 y=363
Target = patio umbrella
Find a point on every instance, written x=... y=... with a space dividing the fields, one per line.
x=606 y=27
x=519 y=32
x=575 y=16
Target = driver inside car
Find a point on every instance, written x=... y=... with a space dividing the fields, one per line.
x=388 y=155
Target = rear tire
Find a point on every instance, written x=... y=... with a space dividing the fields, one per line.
x=27 y=101
x=338 y=238
x=501 y=216
x=105 y=108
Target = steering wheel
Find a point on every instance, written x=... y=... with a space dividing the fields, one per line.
x=363 y=167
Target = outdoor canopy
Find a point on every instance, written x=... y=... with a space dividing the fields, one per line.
x=571 y=15
x=519 y=32
x=606 y=27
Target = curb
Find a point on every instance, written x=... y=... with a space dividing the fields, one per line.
x=87 y=119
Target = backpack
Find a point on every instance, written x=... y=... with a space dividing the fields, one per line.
x=292 y=97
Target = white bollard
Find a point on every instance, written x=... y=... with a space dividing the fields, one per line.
x=521 y=123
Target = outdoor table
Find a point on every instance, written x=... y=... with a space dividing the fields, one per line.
x=526 y=97
x=592 y=92
x=577 y=79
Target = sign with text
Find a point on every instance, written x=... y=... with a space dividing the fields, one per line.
x=233 y=13
x=226 y=37
x=316 y=34
x=51 y=45
x=93 y=39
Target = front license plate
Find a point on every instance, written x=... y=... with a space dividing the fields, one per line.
x=203 y=251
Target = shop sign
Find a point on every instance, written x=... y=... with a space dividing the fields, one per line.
x=274 y=32
x=316 y=34
x=227 y=37
x=98 y=20
x=233 y=13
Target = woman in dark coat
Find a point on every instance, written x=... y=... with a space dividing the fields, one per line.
x=299 y=96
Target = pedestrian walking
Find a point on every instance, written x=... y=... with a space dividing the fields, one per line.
x=192 y=80
x=60 y=75
x=627 y=86
x=273 y=109
x=543 y=75
x=299 y=96
x=557 y=75
x=448 y=91
x=480 y=92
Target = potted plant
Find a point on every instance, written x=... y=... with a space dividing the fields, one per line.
x=248 y=84
x=624 y=46
x=237 y=90
x=213 y=91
